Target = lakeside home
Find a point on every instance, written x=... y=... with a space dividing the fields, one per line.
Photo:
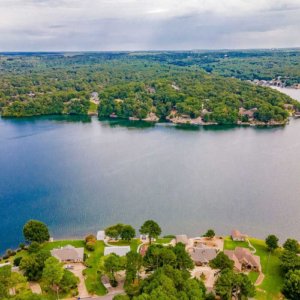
x=237 y=236
x=68 y=253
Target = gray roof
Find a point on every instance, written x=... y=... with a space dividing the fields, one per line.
x=182 y=238
x=121 y=251
x=68 y=253
x=203 y=254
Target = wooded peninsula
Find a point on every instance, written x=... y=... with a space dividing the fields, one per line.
x=181 y=87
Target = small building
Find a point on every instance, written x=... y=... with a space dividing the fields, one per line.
x=121 y=251
x=119 y=100
x=245 y=112
x=94 y=95
x=145 y=238
x=244 y=259
x=237 y=236
x=182 y=239
x=31 y=95
x=101 y=235
x=202 y=254
x=68 y=253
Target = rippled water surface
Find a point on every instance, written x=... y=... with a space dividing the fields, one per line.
x=81 y=174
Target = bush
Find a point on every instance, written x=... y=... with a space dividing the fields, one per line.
x=8 y=251
x=19 y=250
x=114 y=283
x=34 y=247
x=13 y=253
x=84 y=257
x=92 y=291
x=6 y=256
x=89 y=237
x=220 y=237
x=90 y=246
x=17 y=261
x=87 y=265
x=169 y=237
x=22 y=246
x=84 y=273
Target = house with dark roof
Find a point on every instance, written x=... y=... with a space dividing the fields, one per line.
x=244 y=259
x=68 y=253
x=202 y=254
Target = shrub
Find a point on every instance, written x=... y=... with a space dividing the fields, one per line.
x=19 y=250
x=89 y=237
x=169 y=237
x=12 y=253
x=8 y=251
x=114 y=283
x=84 y=273
x=6 y=256
x=90 y=246
x=92 y=291
x=84 y=257
x=22 y=246
x=17 y=261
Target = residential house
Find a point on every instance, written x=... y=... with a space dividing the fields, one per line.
x=121 y=251
x=244 y=259
x=250 y=112
x=145 y=238
x=68 y=253
x=182 y=239
x=202 y=254
x=100 y=235
x=94 y=95
x=237 y=236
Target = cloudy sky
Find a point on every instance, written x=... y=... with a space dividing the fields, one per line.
x=104 y=25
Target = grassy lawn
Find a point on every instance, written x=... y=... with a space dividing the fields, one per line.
x=163 y=241
x=22 y=254
x=273 y=280
x=93 y=107
x=229 y=244
x=50 y=295
x=253 y=276
x=51 y=245
x=94 y=280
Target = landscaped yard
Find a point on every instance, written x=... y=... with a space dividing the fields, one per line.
x=93 y=107
x=253 y=276
x=93 y=282
x=273 y=280
x=229 y=244
x=56 y=244
x=52 y=295
x=163 y=241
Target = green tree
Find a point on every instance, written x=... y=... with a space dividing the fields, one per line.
x=133 y=265
x=289 y=260
x=17 y=261
x=221 y=261
x=291 y=286
x=272 y=242
x=110 y=265
x=36 y=231
x=127 y=233
x=230 y=285
x=210 y=233
x=150 y=228
x=183 y=260
x=291 y=245
x=34 y=248
x=114 y=231
x=53 y=271
x=69 y=281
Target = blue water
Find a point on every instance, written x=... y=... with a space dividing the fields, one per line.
x=81 y=174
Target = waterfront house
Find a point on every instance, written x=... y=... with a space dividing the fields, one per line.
x=121 y=251
x=68 y=253
x=145 y=238
x=182 y=239
x=244 y=259
x=202 y=254
x=245 y=112
x=100 y=235
x=237 y=236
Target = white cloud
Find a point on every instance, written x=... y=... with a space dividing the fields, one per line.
x=30 y=25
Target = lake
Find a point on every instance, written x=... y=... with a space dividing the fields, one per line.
x=79 y=174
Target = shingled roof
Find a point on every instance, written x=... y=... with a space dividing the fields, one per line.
x=68 y=253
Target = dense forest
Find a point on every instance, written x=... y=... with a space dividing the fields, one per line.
x=173 y=85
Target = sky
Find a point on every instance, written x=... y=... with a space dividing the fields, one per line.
x=118 y=25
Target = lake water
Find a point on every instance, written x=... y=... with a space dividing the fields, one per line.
x=81 y=174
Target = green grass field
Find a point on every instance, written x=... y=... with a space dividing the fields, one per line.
x=253 y=276
x=163 y=241
x=56 y=244
x=229 y=244
x=93 y=107
x=133 y=244
x=273 y=281
x=93 y=281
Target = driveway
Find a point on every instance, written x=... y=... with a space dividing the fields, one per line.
x=78 y=268
x=208 y=272
x=35 y=287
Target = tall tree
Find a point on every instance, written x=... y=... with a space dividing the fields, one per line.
x=150 y=228
x=34 y=248
x=183 y=260
x=110 y=265
x=210 y=233
x=291 y=245
x=69 y=281
x=133 y=265
x=272 y=242
x=127 y=233
x=221 y=261
x=36 y=231
x=114 y=231
x=291 y=286
x=53 y=271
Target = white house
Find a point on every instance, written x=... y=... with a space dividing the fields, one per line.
x=121 y=251
x=100 y=235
